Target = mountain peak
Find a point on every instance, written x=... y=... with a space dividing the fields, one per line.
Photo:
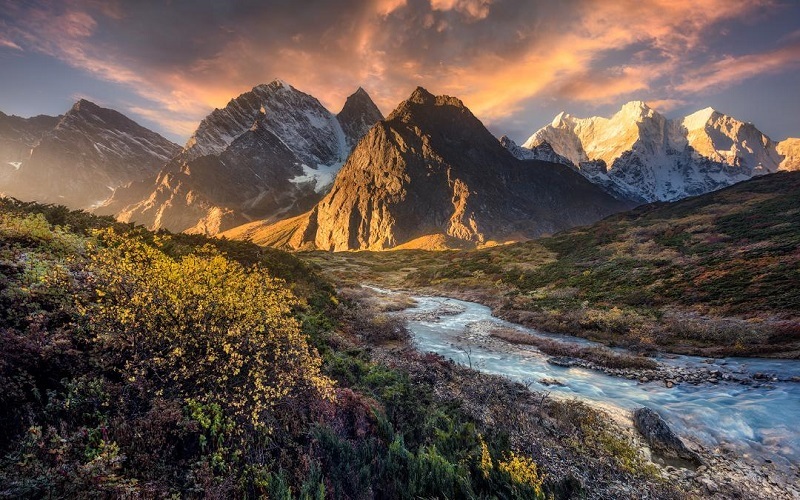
x=275 y=85
x=85 y=105
x=635 y=105
x=700 y=118
x=636 y=110
x=278 y=83
x=360 y=97
x=357 y=116
x=421 y=96
x=421 y=102
x=560 y=118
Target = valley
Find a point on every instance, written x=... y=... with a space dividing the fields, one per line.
x=649 y=333
x=660 y=277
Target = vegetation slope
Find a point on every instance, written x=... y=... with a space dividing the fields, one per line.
x=139 y=364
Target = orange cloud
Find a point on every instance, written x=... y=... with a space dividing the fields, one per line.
x=475 y=9
x=496 y=56
x=4 y=42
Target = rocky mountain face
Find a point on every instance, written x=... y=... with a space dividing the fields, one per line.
x=789 y=150
x=357 y=116
x=638 y=154
x=78 y=159
x=270 y=153
x=432 y=172
x=17 y=137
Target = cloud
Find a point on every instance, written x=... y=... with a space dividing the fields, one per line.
x=732 y=70
x=666 y=105
x=187 y=57
x=474 y=9
x=9 y=44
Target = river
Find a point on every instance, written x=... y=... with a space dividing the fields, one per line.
x=755 y=422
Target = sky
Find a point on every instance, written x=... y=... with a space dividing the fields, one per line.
x=514 y=63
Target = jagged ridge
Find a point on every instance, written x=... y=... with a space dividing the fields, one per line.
x=88 y=153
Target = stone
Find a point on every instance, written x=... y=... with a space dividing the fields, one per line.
x=710 y=486
x=662 y=441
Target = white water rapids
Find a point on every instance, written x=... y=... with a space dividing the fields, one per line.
x=755 y=422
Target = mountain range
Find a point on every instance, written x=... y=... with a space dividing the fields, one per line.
x=432 y=176
x=270 y=153
x=638 y=154
x=275 y=166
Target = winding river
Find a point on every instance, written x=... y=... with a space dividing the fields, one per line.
x=756 y=422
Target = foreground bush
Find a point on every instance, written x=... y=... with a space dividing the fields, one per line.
x=203 y=324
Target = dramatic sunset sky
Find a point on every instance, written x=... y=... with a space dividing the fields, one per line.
x=515 y=63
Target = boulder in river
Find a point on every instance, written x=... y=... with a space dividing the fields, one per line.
x=663 y=442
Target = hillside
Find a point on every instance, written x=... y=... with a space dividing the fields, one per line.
x=714 y=274
x=140 y=364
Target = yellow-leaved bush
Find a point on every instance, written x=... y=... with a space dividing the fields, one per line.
x=204 y=326
x=522 y=471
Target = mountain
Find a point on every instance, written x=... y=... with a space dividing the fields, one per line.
x=640 y=155
x=543 y=152
x=272 y=152
x=17 y=137
x=79 y=159
x=357 y=116
x=432 y=174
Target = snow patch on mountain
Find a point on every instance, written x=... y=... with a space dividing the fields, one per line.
x=322 y=177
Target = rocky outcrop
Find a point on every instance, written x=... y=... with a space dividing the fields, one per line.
x=271 y=153
x=431 y=168
x=789 y=150
x=87 y=154
x=662 y=441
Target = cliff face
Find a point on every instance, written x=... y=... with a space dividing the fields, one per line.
x=790 y=154
x=432 y=169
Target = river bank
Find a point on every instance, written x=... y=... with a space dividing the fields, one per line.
x=737 y=415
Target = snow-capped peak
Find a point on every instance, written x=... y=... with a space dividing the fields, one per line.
x=651 y=158
x=275 y=84
x=560 y=119
x=699 y=119
x=635 y=110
